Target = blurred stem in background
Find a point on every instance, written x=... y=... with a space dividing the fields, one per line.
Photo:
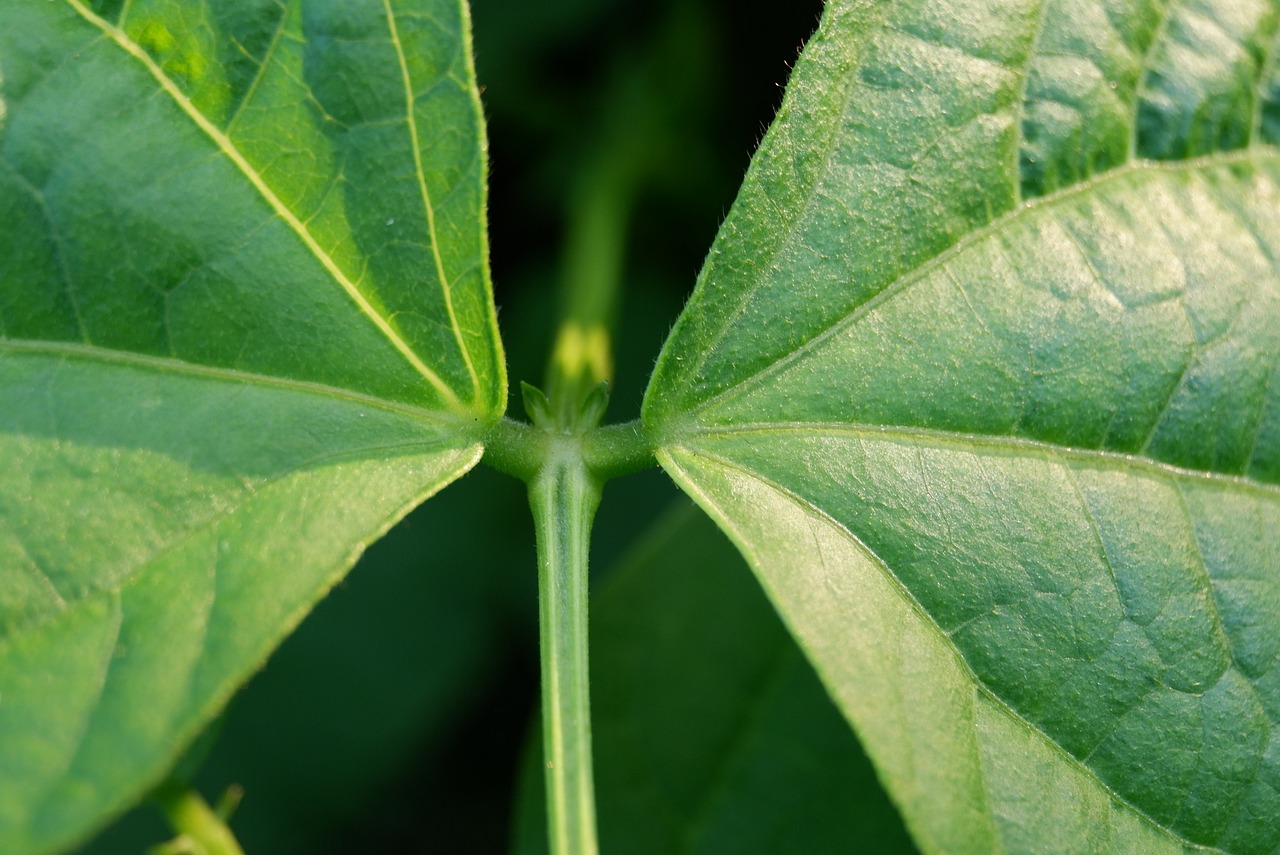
x=202 y=830
x=630 y=146
x=599 y=212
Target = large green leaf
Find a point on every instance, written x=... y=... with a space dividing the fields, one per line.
x=981 y=377
x=245 y=325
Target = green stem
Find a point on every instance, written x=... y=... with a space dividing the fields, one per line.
x=598 y=220
x=190 y=815
x=564 y=496
x=596 y=238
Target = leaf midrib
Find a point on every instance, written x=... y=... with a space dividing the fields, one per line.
x=915 y=605
x=1251 y=154
x=1132 y=160
x=463 y=433
x=232 y=153
x=1014 y=446
x=463 y=429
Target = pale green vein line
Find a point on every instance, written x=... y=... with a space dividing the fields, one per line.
x=286 y=9
x=1100 y=547
x=59 y=246
x=34 y=567
x=1262 y=87
x=1263 y=407
x=233 y=154
x=428 y=207
x=168 y=366
x=107 y=659
x=787 y=226
x=1205 y=577
x=1020 y=105
x=972 y=442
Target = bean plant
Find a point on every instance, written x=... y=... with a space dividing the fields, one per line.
x=979 y=376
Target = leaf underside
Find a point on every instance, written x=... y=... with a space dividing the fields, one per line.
x=245 y=325
x=980 y=375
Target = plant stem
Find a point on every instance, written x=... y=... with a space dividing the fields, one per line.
x=565 y=458
x=564 y=496
x=598 y=220
x=190 y=815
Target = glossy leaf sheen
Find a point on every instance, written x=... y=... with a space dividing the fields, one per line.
x=245 y=325
x=980 y=375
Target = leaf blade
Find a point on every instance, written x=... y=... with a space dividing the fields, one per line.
x=985 y=450
x=1053 y=316
x=997 y=752
x=176 y=615
x=216 y=354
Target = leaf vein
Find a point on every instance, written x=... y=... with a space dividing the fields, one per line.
x=59 y=244
x=1020 y=104
x=791 y=226
x=261 y=73
x=216 y=517
x=41 y=803
x=1265 y=70
x=428 y=208
x=165 y=365
x=1008 y=444
x=1139 y=91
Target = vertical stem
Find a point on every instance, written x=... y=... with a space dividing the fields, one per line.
x=582 y=358
x=564 y=497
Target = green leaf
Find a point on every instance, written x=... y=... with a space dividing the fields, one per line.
x=980 y=375
x=711 y=732
x=245 y=325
